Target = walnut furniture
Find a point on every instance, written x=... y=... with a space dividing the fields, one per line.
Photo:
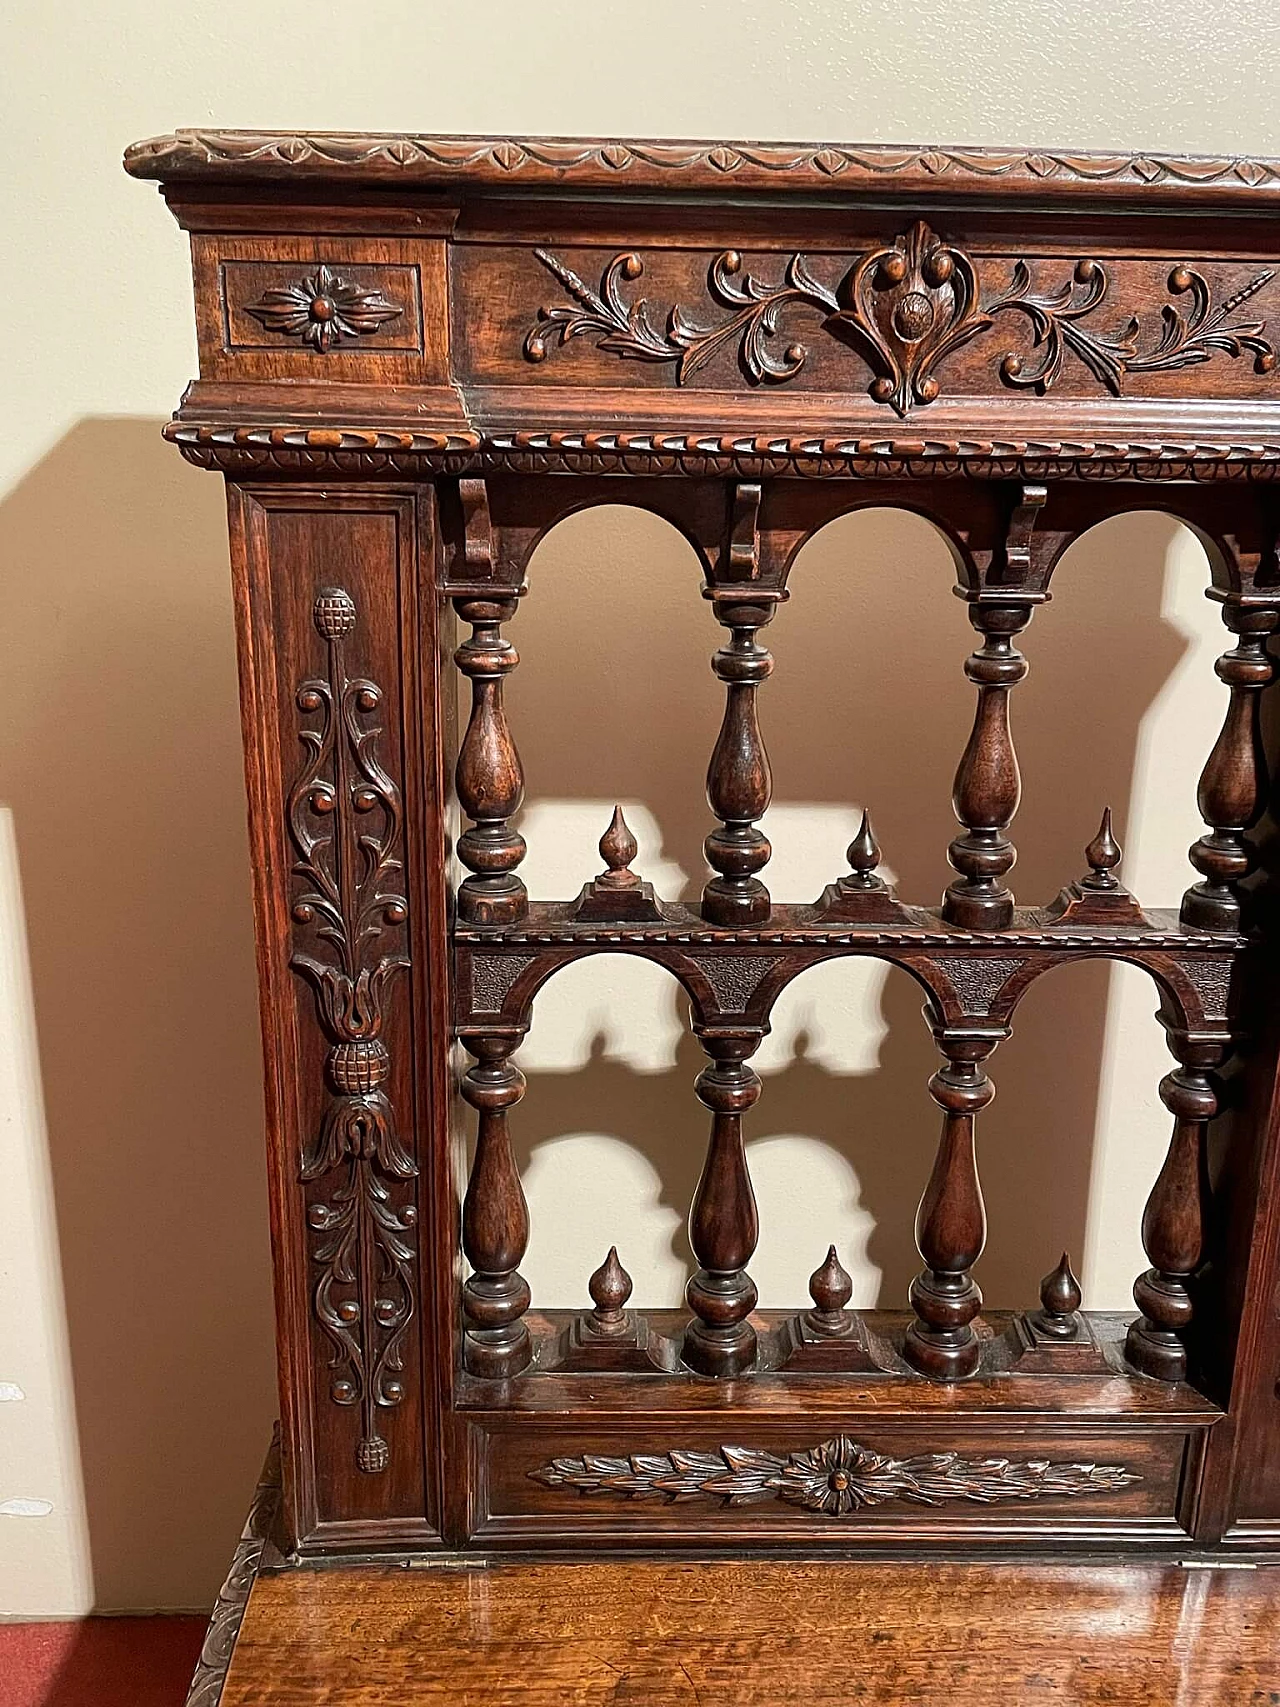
x=417 y=354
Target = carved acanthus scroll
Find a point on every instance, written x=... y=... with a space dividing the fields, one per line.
x=345 y=821
x=905 y=307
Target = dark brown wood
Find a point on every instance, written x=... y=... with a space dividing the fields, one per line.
x=495 y=1219
x=417 y=356
x=723 y=1225
x=951 y=1226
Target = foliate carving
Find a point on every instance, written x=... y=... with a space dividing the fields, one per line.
x=734 y=979
x=978 y=982
x=837 y=1478
x=345 y=821
x=906 y=308
x=323 y=309
x=627 y=329
x=492 y=976
x=1111 y=356
x=228 y=1611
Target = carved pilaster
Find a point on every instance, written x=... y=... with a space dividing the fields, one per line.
x=1233 y=784
x=345 y=821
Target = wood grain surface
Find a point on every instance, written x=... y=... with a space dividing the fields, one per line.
x=758 y=1635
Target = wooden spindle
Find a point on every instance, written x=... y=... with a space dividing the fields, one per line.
x=988 y=786
x=831 y=1289
x=1173 y=1222
x=1233 y=784
x=738 y=780
x=490 y=781
x=495 y=1219
x=951 y=1224
x=1060 y=1295
x=723 y=1224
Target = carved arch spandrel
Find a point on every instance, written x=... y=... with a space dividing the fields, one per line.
x=739 y=984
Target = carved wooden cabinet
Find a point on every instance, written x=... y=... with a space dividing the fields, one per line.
x=416 y=355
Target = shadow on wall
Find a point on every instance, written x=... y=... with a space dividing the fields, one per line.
x=868 y=704
x=121 y=763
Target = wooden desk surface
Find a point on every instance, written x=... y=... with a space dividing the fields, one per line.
x=755 y=1635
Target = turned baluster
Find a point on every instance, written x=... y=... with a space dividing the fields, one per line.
x=951 y=1224
x=1233 y=784
x=738 y=779
x=495 y=1219
x=988 y=786
x=1173 y=1222
x=723 y=1225
x=490 y=781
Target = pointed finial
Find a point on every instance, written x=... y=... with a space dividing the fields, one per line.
x=1059 y=1299
x=610 y=1287
x=1102 y=853
x=831 y=1289
x=617 y=850
x=864 y=855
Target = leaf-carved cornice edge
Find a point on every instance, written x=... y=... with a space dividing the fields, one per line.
x=359 y=450
x=620 y=163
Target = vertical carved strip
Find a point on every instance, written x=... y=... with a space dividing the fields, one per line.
x=495 y=1219
x=1173 y=1222
x=988 y=785
x=1233 y=784
x=345 y=821
x=951 y=1224
x=723 y=1224
x=739 y=784
x=490 y=780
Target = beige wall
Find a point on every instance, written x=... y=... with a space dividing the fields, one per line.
x=135 y=1362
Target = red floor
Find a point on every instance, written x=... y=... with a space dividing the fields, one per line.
x=99 y=1662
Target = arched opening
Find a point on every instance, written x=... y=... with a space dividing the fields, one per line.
x=607 y=1135
x=614 y=699
x=842 y=1140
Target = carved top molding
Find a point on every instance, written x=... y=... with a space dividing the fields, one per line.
x=801 y=168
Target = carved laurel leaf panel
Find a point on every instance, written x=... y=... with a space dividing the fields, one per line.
x=838 y=1478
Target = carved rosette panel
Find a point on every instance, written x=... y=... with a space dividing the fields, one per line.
x=323 y=310
x=345 y=821
x=906 y=307
x=836 y=1479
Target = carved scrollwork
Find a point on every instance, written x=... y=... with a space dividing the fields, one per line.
x=323 y=309
x=345 y=821
x=837 y=1478
x=906 y=307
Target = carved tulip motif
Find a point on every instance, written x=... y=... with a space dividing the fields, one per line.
x=322 y=309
